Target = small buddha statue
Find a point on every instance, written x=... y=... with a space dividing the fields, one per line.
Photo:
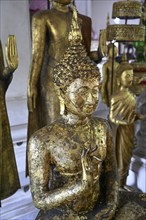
x=109 y=83
x=9 y=180
x=123 y=114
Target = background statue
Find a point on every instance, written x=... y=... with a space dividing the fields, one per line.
x=9 y=181
x=68 y=158
x=109 y=86
x=122 y=113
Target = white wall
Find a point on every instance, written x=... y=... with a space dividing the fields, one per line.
x=84 y=7
x=14 y=19
x=100 y=10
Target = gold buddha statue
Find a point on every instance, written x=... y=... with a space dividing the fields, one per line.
x=109 y=86
x=71 y=161
x=9 y=180
x=123 y=114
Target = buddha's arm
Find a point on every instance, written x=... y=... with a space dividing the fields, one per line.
x=39 y=160
x=38 y=47
x=38 y=51
x=110 y=183
x=111 y=173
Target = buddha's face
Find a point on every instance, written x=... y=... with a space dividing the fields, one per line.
x=82 y=97
x=63 y=2
x=126 y=78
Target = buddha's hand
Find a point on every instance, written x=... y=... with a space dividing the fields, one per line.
x=11 y=53
x=107 y=213
x=31 y=97
x=87 y=174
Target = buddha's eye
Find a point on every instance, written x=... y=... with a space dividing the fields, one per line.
x=95 y=90
x=82 y=91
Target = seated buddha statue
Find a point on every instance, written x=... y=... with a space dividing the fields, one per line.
x=72 y=161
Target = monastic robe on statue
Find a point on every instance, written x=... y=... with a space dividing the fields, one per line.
x=9 y=180
x=123 y=108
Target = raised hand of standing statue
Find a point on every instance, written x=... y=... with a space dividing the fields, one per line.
x=11 y=53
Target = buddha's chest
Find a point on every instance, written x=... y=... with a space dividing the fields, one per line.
x=67 y=154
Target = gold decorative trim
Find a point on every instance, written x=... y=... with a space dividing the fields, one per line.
x=120 y=32
x=127 y=9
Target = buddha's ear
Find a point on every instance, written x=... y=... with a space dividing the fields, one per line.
x=61 y=97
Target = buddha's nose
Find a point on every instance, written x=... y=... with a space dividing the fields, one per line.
x=89 y=99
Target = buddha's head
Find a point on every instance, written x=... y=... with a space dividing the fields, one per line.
x=77 y=78
x=124 y=75
x=81 y=96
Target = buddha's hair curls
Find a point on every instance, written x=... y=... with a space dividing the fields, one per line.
x=75 y=64
x=123 y=67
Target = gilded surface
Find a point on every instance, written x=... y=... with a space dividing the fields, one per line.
x=109 y=86
x=127 y=32
x=122 y=113
x=56 y=166
x=68 y=158
x=9 y=181
x=127 y=9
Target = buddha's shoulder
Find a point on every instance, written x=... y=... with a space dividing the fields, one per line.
x=46 y=132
